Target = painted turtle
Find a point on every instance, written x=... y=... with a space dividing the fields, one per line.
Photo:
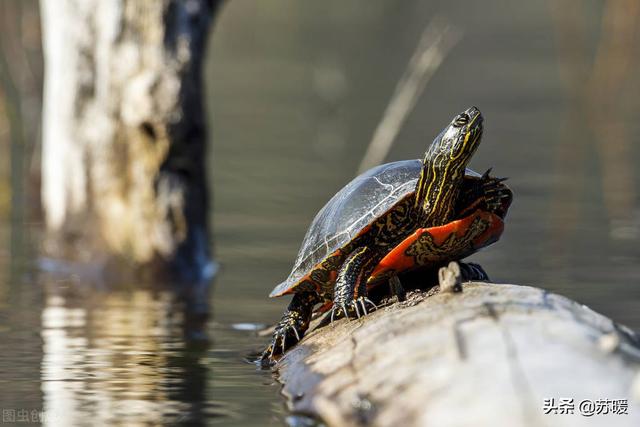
x=393 y=218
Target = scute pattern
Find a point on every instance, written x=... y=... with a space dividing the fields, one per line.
x=349 y=211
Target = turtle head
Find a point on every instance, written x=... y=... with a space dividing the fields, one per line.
x=444 y=167
x=457 y=142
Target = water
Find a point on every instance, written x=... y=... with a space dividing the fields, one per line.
x=294 y=93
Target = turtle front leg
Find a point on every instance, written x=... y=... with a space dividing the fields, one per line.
x=293 y=324
x=350 y=289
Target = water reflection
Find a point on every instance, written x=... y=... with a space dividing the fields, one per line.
x=140 y=354
x=120 y=358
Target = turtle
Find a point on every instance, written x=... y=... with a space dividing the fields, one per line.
x=405 y=206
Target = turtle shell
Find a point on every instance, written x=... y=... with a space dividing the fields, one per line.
x=349 y=211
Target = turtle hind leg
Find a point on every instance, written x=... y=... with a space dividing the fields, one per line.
x=292 y=326
x=470 y=271
x=396 y=288
x=350 y=289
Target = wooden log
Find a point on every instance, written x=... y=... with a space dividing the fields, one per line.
x=488 y=356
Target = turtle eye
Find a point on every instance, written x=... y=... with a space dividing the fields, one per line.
x=461 y=120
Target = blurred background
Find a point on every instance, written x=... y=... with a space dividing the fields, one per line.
x=295 y=91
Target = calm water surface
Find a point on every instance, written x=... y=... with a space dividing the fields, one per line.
x=295 y=91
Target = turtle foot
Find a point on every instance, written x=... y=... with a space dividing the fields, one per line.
x=284 y=337
x=288 y=332
x=355 y=308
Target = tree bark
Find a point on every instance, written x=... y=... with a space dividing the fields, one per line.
x=124 y=135
x=488 y=356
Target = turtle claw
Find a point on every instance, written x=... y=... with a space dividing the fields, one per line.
x=357 y=310
x=486 y=176
x=269 y=352
x=284 y=348
x=273 y=349
x=363 y=301
x=282 y=334
x=354 y=309
x=343 y=307
x=364 y=306
x=337 y=310
x=288 y=332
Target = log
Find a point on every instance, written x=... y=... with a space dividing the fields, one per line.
x=124 y=135
x=488 y=356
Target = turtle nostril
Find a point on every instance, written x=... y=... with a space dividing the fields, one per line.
x=461 y=120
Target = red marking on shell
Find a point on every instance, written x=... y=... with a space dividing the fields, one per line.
x=397 y=260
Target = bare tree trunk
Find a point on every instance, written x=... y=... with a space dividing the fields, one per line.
x=124 y=136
